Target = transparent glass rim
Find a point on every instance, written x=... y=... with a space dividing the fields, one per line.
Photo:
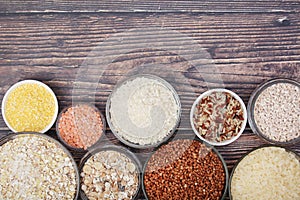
x=245 y=155
x=251 y=104
x=108 y=105
x=13 y=136
x=72 y=147
x=119 y=149
x=202 y=142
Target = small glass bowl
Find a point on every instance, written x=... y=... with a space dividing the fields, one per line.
x=207 y=93
x=254 y=149
x=13 y=136
x=115 y=148
x=212 y=148
x=251 y=105
x=18 y=84
x=65 y=142
x=114 y=130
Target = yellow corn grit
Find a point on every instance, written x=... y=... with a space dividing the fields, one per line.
x=29 y=107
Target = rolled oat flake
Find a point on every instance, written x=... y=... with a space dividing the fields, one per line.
x=34 y=167
x=277 y=111
x=109 y=175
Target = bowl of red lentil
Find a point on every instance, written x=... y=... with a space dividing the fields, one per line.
x=218 y=117
x=185 y=169
x=274 y=109
x=29 y=106
x=36 y=166
x=80 y=126
x=110 y=172
x=266 y=172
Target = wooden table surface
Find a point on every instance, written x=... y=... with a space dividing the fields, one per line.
x=81 y=50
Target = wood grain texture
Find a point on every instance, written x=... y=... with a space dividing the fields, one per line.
x=246 y=49
x=211 y=6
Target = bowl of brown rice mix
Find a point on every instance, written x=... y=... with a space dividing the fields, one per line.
x=266 y=172
x=218 y=116
x=274 y=111
x=36 y=166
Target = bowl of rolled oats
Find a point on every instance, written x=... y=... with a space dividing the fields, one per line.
x=218 y=117
x=274 y=109
x=36 y=166
x=110 y=172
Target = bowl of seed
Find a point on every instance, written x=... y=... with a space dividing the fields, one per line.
x=185 y=169
x=29 y=106
x=266 y=172
x=36 y=166
x=110 y=172
x=143 y=111
x=274 y=110
x=80 y=126
x=218 y=117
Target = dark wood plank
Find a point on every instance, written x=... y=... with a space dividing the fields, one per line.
x=263 y=6
x=247 y=49
x=52 y=48
x=247 y=45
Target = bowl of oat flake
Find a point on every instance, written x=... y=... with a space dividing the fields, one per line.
x=274 y=110
x=110 y=172
x=36 y=166
x=218 y=117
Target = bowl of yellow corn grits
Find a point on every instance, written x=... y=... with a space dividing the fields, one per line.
x=29 y=106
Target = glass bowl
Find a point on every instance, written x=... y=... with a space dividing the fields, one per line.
x=21 y=83
x=251 y=105
x=263 y=165
x=167 y=165
x=123 y=151
x=73 y=147
x=233 y=138
x=36 y=155
x=123 y=104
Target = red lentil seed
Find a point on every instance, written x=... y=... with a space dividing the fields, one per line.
x=184 y=169
x=80 y=126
